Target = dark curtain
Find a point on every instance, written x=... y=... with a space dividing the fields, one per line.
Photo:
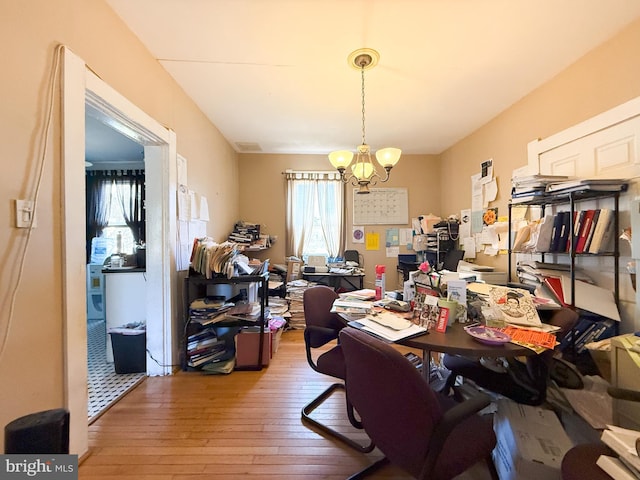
x=98 y=200
x=129 y=185
x=130 y=193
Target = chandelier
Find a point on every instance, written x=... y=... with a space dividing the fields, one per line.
x=363 y=170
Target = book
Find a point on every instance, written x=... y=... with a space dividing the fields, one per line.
x=561 y=226
x=545 y=230
x=584 y=231
x=443 y=319
x=565 y=233
x=578 y=221
x=594 y=224
x=615 y=468
x=623 y=442
x=604 y=223
x=596 y=184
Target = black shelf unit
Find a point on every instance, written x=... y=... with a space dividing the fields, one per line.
x=573 y=198
x=195 y=286
x=443 y=245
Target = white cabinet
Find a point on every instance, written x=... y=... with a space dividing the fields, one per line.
x=625 y=373
x=126 y=301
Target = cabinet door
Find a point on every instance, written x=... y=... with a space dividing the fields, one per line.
x=611 y=152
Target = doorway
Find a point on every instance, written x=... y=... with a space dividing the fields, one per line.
x=82 y=87
x=115 y=164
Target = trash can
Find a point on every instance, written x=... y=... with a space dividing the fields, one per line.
x=40 y=432
x=129 y=344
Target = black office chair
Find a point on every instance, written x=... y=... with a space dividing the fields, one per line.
x=426 y=434
x=322 y=328
x=352 y=256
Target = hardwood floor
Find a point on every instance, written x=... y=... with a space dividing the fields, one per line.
x=244 y=425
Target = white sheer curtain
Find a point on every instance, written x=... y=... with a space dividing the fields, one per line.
x=314 y=200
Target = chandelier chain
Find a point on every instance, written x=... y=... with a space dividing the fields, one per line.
x=363 y=136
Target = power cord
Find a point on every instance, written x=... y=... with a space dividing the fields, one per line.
x=55 y=69
x=158 y=363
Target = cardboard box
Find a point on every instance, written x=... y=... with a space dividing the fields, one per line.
x=294 y=270
x=531 y=442
x=247 y=344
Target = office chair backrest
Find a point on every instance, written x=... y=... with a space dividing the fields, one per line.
x=317 y=302
x=398 y=408
x=352 y=256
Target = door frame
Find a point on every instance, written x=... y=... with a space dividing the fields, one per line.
x=80 y=86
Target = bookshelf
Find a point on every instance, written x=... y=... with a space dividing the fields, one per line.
x=195 y=286
x=573 y=199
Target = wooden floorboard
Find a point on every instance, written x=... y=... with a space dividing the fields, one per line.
x=192 y=426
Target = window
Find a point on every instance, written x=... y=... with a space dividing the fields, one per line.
x=115 y=204
x=315 y=214
x=117 y=224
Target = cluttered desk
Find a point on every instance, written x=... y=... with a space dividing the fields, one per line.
x=342 y=277
x=496 y=321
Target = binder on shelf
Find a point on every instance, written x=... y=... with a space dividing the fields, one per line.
x=604 y=223
x=594 y=224
x=578 y=222
x=561 y=226
x=545 y=231
x=584 y=231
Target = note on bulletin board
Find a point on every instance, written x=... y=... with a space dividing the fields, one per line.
x=382 y=206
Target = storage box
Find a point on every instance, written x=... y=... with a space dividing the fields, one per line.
x=294 y=270
x=247 y=345
x=531 y=442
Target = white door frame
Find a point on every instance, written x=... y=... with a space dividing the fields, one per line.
x=80 y=87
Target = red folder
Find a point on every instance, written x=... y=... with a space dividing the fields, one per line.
x=555 y=285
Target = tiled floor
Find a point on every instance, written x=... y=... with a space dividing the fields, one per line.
x=105 y=385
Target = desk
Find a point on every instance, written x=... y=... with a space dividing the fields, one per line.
x=458 y=342
x=349 y=281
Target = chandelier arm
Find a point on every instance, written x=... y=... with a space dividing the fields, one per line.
x=363 y=110
x=353 y=180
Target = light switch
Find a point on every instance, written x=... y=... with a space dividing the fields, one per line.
x=25 y=212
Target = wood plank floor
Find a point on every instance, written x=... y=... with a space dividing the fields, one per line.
x=244 y=425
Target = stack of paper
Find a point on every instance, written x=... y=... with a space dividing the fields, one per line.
x=369 y=324
x=623 y=442
x=352 y=307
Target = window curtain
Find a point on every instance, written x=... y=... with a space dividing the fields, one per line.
x=130 y=193
x=307 y=191
x=98 y=204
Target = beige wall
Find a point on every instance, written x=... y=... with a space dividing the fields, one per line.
x=31 y=366
x=263 y=201
x=602 y=79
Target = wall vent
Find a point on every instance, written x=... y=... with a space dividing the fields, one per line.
x=248 y=147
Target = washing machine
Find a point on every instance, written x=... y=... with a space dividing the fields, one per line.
x=95 y=292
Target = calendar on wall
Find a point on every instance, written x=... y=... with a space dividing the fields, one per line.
x=382 y=206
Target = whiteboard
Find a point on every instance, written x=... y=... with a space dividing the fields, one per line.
x=382 y=206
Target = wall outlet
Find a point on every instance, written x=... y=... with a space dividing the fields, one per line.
x=25 y=214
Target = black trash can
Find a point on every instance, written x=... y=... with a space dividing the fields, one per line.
x=129 y=349
x=40 y=432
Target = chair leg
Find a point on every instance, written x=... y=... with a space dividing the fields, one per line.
x=374 y=467
x=316 y=402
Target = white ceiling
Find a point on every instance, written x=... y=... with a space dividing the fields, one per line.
x=275 y=72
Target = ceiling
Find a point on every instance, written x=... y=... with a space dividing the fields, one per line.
x=273 y=76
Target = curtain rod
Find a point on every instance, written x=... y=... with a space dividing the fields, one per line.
x=307 y=171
